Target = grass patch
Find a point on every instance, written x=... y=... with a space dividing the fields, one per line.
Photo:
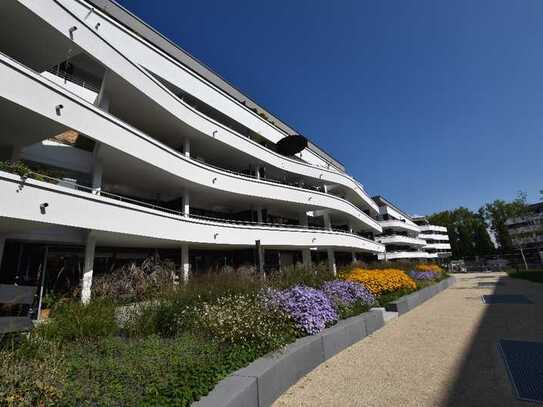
x=535 y=276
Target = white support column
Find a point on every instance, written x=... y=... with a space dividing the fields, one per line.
x=302 y=219
x=186 y=204
x=185 y=263
x=332 y=261
x=354 y=260
x=257 y=172
x=2 y=245
x=88 y=268
x=327 y=222
x=325 y=188
x=186 y=147
x=259 y=216
x=306 y=259
x=96 y=170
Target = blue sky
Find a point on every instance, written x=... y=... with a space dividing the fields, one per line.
x=433 y=104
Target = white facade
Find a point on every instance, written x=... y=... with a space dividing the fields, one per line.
x=145 y=150
x=409 y=238
x=436 y=237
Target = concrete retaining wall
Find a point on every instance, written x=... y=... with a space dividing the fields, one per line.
x=408 y=302
x=264 y=380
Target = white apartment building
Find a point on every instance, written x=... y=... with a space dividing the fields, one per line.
x=409 y=237
x=400 y=235
x=436 y=237
x=527 y=233
x=137 y=148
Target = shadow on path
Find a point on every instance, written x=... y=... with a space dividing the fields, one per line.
x=482 y=379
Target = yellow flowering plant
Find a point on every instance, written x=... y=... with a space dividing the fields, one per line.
x=434 y=268
x=381 y=281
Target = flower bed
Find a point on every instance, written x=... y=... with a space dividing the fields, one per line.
x=177 y=345
x=422 y=275
x=383 y=281
x=427 y=267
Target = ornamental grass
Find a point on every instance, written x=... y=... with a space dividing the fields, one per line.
x=382 y=281
x=428 y=267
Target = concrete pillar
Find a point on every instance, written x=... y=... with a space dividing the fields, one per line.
x=332 y=261
x=354 y=260
x=96 y=170
x=186 y=147
x=327 y=222
x=306 y=259
x=2 y=245
x=103 y=100
x=259 y=216
x=88 y=268
x=186 y=204
x=302 y=219
x=185 y=263
x=325 y=188
x=257 y=172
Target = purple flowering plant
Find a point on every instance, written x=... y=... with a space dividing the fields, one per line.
x=349 y=297
x=309 y=308
x=422 y=275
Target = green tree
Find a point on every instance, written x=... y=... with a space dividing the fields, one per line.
x=467 y=232
x=495 y=215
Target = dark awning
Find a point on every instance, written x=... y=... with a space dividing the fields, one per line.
x=291 y=145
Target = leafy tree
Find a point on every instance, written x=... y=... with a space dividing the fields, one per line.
x=467 y=232
x=496 y=213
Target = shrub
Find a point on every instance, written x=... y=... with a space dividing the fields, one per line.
x=74 y=321
x=243 y=320
x=381 y=282
x=309 y=308
x=149 y=371
x=427 y=267
x=349 y=298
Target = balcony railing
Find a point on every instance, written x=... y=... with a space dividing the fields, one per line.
x=74 y=185
x=84 y=83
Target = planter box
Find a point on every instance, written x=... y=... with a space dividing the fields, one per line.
x=408 y=302
x=265 y=379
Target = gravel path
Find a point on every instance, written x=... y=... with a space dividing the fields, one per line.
x=443 y=353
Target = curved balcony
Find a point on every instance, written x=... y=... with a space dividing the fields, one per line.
x=125 y=220
x=34 y=92
x=432 y=228
x=398 y=225
x=110 y=45
x=399 y=255
x=401 y=240
x=438 y=246
x=434 y=236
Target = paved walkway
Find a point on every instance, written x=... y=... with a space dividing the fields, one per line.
x=443 y=353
